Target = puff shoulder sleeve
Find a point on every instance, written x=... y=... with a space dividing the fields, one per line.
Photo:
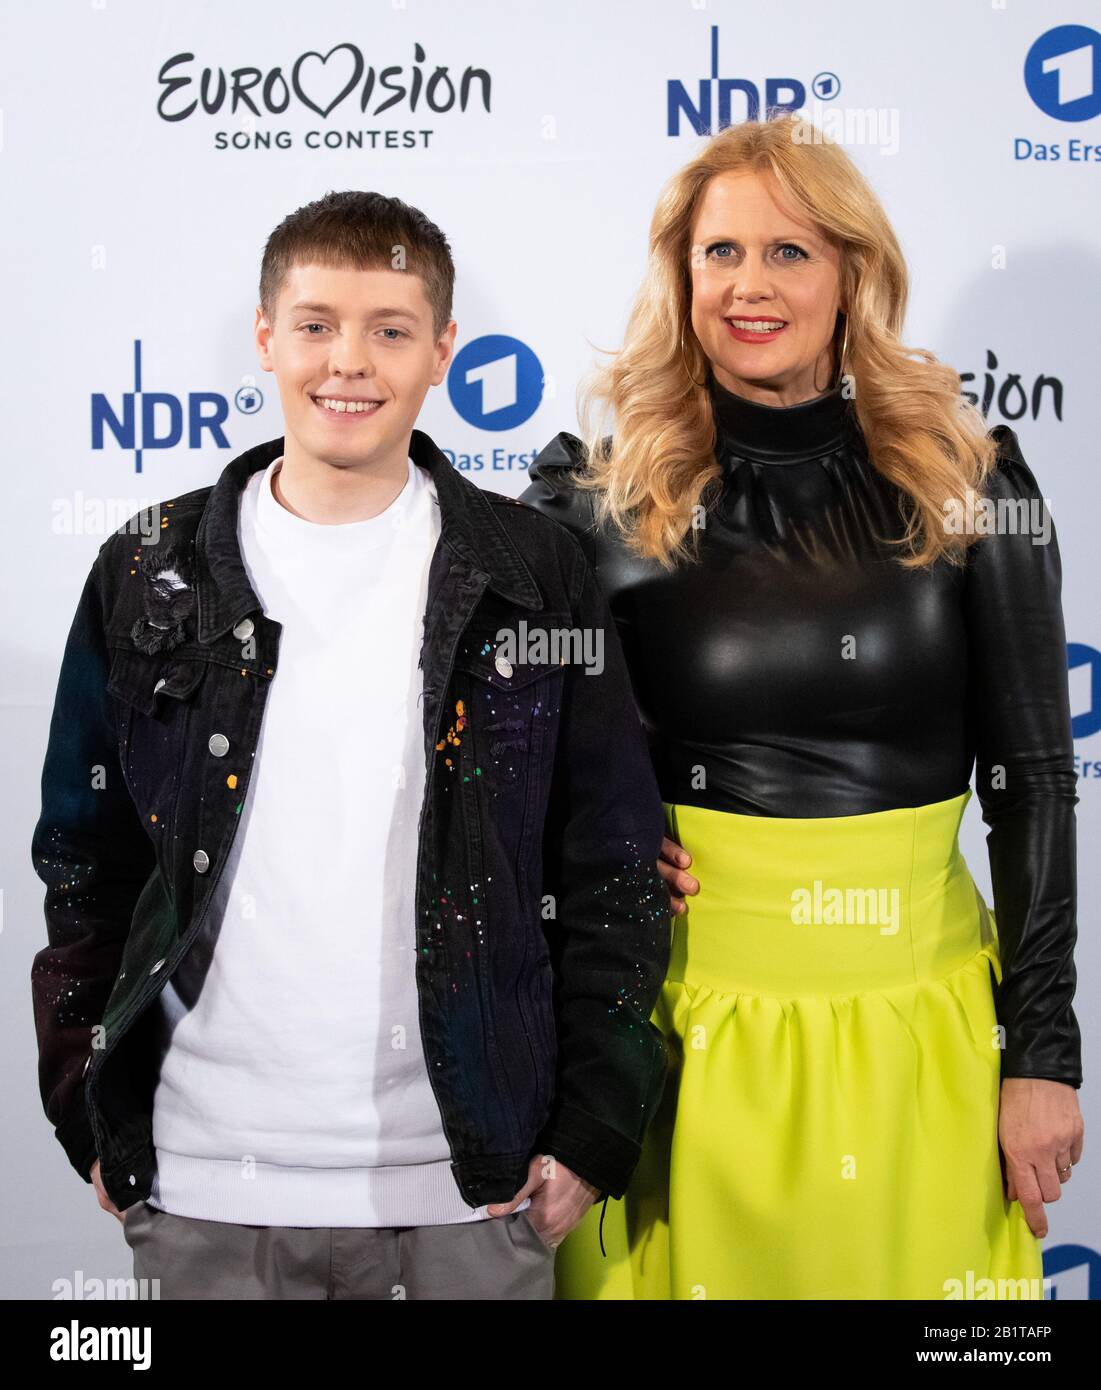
x=551 y=490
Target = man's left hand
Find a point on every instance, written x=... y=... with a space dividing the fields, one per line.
x=559 y=1198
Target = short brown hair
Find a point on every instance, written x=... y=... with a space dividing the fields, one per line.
x=361 y=231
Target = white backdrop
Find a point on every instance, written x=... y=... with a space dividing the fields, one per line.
x=137 y=202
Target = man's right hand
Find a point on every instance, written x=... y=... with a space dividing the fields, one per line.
x=104 y=1201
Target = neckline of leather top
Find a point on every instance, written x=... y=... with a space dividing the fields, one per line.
x=781 y=434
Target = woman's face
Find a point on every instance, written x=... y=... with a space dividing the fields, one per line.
x=765 y=292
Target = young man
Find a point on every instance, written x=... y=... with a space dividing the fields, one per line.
x=355 y=925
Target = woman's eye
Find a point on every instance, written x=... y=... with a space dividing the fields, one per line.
x=718 y=246
x=800 y=254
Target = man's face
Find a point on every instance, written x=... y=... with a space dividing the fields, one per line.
x=354 y=353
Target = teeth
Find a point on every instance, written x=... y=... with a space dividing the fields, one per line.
x=755 y=327
x=353 y=407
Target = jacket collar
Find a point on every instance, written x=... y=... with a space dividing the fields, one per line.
x=468 y=527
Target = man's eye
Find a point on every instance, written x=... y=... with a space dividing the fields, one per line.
x=312 y=325
x=398 y=331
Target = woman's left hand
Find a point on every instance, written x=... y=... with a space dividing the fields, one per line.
x=1040 y=1130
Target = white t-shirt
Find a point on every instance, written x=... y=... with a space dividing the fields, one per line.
x=293 y=1089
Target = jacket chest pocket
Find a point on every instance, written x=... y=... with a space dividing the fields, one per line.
x=506 y=708
x=154 y=697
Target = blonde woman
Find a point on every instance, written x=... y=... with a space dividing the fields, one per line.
x=825 y=644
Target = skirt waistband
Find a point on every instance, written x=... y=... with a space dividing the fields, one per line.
x=826 y=905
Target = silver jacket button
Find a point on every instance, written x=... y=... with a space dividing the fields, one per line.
x=218 y=745
x=160 y=685
x=503 y=665
x=245 y=628
x=201 y=860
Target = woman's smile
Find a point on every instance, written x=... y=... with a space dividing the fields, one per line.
x=755 y=330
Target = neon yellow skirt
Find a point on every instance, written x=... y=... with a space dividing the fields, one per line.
x=829 y=1126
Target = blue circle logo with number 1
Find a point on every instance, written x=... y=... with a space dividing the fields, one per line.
x=495 y=382
x=1063 y=73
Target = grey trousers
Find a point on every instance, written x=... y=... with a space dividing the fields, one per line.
x=501 y=1257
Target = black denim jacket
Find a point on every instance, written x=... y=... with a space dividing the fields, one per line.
x=542 y=926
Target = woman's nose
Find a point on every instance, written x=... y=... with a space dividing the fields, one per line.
x=752 y=282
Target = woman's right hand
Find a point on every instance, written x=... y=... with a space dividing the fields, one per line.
x=673 y=861
x=101 y=1192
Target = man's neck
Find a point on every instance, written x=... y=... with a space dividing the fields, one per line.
x=334 y=494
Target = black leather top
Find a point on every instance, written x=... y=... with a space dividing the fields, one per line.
x=803 y=672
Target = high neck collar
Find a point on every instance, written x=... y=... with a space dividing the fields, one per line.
x=781 y=434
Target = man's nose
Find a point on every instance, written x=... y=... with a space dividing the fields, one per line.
x=349 y=358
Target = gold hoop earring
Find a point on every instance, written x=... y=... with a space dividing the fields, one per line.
x=841 y=358
x=840 y=362
x=684 y=359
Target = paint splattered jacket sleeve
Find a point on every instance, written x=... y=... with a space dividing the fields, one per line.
x=610 y=934
x=92 y=854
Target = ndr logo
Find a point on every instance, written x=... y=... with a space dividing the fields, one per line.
x=781 y=94
x=1063 y=73
x=156 y=419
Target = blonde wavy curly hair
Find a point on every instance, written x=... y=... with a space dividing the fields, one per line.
x=659 y=464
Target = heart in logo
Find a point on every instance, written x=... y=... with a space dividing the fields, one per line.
x=357 y=73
